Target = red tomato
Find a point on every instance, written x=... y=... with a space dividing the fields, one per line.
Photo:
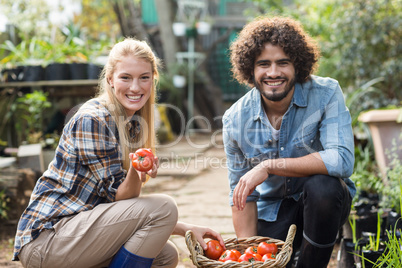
x=228 y=255
x=257 y=257
x=247 y=257
x=214 y=250
x=251 y=250
x=268 y=256
x=264 y=248
x=237 y=253
x=143 y=160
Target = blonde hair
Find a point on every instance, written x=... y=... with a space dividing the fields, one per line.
x=146 y=136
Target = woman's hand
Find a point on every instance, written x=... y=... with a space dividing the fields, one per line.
x=203 y=232
x=200 y=233
x=152 y=172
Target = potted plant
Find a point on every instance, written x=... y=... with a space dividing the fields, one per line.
x=28 y=113
x=97 y=57
x=78 y=60
x=10 y=69
x=29 y=56
x=58 y=68
x=77 y=52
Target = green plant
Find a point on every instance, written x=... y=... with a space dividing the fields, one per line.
x=28 y=113
x=352 y=222
x=374 y=240
x=355 y=99
x=28 y=52
x=74 y=47
x=392 y=191
x=392 y=256
x=356 y=39
x=365 y=173
x=4 y=200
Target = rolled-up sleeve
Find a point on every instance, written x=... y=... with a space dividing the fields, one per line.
x=336 y=137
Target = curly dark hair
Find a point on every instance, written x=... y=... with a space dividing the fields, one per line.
x=285 y=32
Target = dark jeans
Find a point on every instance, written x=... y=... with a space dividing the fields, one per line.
x=319 y=214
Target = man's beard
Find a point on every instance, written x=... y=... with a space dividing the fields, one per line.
x=276 y=96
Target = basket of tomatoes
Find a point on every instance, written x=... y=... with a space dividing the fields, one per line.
x=255 y=251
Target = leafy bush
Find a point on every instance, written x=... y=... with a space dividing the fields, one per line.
x=28 y=112
x=367 y=36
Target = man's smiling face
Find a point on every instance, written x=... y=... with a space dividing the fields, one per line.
x=274 y=73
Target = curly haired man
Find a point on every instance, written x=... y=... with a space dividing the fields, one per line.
x=288 y=142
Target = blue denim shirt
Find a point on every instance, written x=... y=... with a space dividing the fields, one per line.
x=317 y=120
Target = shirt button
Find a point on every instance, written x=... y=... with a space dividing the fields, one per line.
x=282 y=148
x=288 y=180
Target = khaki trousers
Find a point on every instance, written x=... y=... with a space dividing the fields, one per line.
x=91 y=238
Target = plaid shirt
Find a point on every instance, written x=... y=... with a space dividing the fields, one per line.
x=86 y=171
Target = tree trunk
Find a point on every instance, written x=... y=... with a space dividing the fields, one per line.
x=165 y=10
x=129 y=17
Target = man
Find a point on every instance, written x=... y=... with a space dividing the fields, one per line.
x=288 y=141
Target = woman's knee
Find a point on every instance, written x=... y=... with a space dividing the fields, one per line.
x=166 y=207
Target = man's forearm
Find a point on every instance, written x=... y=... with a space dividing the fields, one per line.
x=296 y=167
x=245 y=221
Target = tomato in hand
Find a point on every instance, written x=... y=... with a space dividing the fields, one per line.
x=228 y=255
x=143 y=160
x=248 y=257
x=268 y=256
x=214 y=250
x=264 y=248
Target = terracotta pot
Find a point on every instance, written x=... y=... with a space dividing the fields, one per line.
x=384 y=130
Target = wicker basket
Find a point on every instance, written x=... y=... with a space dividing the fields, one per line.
x=282 y=258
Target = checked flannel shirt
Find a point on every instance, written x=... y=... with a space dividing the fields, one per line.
x=86 y=171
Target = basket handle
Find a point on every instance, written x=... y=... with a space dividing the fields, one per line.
x=193 y=246
x=291 y=235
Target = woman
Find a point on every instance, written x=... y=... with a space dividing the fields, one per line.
x=86 y=209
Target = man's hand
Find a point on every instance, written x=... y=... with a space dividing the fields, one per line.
x=247 y=184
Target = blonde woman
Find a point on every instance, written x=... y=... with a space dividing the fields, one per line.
x=86 y=209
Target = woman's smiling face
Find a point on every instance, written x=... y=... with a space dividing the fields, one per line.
x=132 y=81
